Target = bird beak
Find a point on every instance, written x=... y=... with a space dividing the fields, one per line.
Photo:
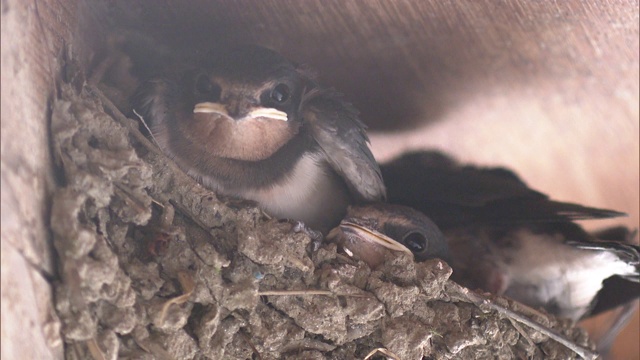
x=373 y=236
x=210 y=108
x=268 y=113
x=259 y=113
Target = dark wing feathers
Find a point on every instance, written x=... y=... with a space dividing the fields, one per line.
x=453 y=194
x=431 y=176
x=336 y=128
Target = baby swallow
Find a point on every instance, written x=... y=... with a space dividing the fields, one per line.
x=369 y=231
x=511 y=240
x=248 y=123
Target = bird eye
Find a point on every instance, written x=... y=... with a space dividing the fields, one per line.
x=204 y=86
x=280 y=94
x=416 y=242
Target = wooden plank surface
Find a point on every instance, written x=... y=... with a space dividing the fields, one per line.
x=30 y=329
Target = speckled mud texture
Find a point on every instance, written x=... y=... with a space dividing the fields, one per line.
x=154 y=266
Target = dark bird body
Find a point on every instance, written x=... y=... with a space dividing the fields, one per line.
x=511 y=240
x=247 y=123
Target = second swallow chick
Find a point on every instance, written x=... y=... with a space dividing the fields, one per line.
x=368 y=232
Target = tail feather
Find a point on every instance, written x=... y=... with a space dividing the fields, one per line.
x=542 y=210
x=617 y=290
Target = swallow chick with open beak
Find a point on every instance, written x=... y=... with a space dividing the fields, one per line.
x=511 y=240
x=369 y=231
x=250 y=124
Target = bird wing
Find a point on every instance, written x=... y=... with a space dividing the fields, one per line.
x=452 y=194
x=434 y=177
x=335 y=126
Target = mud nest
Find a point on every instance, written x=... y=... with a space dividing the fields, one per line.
x=154 y=266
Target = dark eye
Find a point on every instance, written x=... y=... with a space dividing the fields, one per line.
x=416 y=242
x=280 y=94
x=204 y=86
